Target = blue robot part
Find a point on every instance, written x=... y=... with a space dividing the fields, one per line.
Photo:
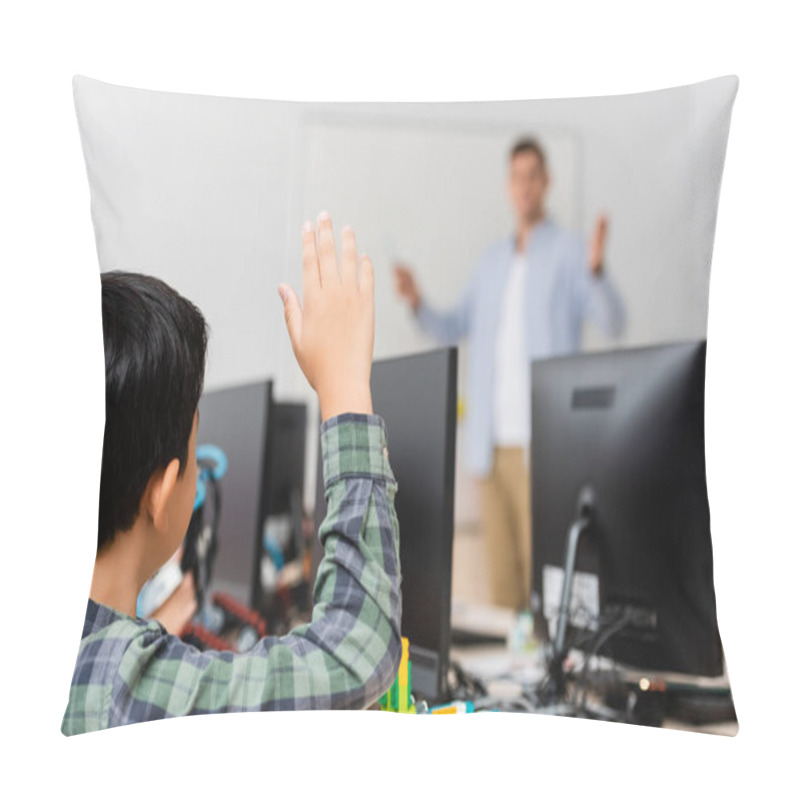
x=208 y=455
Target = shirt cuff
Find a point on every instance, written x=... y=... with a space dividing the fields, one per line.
x=354 y=446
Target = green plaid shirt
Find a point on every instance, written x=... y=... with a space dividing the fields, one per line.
x=131 y=670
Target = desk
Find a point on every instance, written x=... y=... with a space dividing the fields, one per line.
x=505 y=673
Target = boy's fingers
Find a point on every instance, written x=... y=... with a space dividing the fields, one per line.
x=292 y=313
x=328 y=268
x=311 y=277
x=349 y=257
x=366 y=278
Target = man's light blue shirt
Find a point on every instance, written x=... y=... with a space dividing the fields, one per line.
x=560 y=294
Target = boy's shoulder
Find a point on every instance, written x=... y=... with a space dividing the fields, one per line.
x=106 y=644
x=105 y=624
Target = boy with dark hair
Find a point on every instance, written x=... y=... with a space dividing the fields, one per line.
x=131 y=670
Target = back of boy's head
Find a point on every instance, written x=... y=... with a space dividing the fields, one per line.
x=155 y=353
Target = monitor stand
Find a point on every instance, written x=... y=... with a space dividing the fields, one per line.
x=551 y=693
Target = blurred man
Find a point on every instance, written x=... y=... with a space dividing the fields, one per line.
x=528 y=298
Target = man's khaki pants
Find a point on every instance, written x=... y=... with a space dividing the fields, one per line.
x=506 y=522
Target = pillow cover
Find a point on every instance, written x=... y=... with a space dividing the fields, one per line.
x=209 y=194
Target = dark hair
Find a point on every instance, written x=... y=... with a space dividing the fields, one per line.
x=528 y=145
x=155 y=352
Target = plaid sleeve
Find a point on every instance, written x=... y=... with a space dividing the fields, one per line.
x=349 y=653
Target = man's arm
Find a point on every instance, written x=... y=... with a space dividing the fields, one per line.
x=602 y=304
x=449 y=326
x=594 y=296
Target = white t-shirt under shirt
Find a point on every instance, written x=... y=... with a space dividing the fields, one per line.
x=512 y=423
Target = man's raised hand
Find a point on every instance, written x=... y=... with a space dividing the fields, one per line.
x=598 y=245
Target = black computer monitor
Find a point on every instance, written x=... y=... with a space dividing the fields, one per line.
x=622 y=434
x=416 y=396
x=237 y=420
x=282 y=481
x=285 y=458
x=261 y=492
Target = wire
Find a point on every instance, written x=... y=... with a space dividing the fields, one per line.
x=471 y=685
x=539 y=697
x=603 y=636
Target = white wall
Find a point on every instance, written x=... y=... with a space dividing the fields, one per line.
x=429 y=192
x=210 y=193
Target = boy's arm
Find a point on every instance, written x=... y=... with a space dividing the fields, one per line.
x=358 y=580
x=346 y=657
x=349 y=653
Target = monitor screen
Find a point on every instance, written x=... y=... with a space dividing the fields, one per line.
x=629 y=426
x=235 y=420
x=285 y=462
x=416 y=396
x=282 y=498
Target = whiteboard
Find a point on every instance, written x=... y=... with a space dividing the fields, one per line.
x=433 y=195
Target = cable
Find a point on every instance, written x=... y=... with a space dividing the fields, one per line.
x=602 y=638
x=472 y=685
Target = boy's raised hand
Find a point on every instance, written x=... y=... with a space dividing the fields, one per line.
x=332 y=333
